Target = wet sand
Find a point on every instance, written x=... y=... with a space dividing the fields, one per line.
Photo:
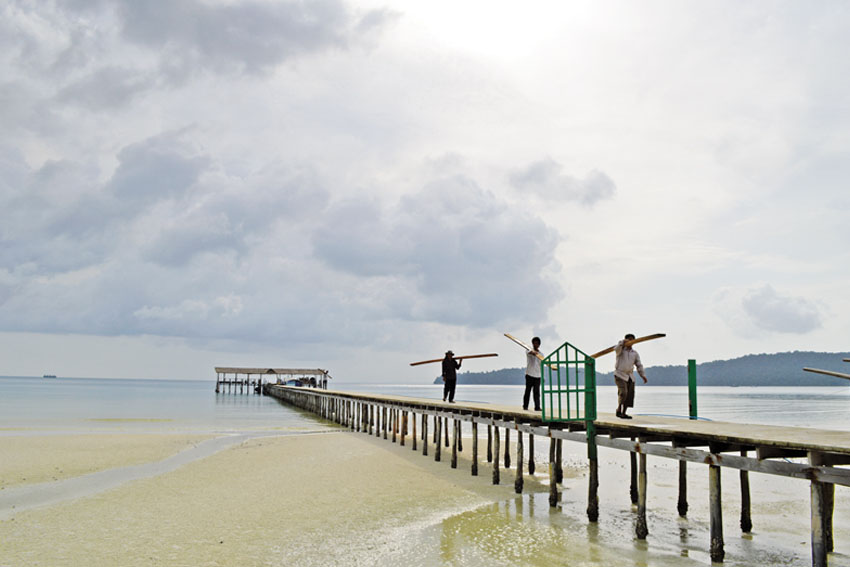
x=345 y=498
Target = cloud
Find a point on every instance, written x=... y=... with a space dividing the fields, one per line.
x=781 y=314
x=466 y=255
x=544 y=178
x=752 y=311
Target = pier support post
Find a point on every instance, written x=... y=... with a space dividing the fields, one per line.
x=454 y=443
x=641 y=528
x=593 y=474
x=559 y=462
x=394 y=423
x=819 y=516
x=438 y=423
x=682 y=504
x=403 y=432
x=518 y=483
x=716 y=511
x=489 y=443
x=424 y=434
x=413 y=433
x=746 y=519
x=530 y=454
x=459 y=436
x=474 y=448
x=496 y=453
x=385 y=423
x=507 y=448
x=446 y=429
x=633 y=489
x=553 y=485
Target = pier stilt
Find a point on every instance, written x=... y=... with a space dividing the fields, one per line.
x=641 y=528
x=559 y=461
x=438 y=424
x=717 y=551
x=818 y=516
x=394 y=423
x=489 y=443
x=496 y=453
x=474 y=448
x=553 y=484
x=592 y=475
x=446 y=429
x=454 y=443
x=385 y=425
x=459 y=436
x=413 y=434
x=424 y=435
x=519 y=480
x=403 y=433
x=507 y=448
x=633 y=489
x=530 y=454
x=746 y=519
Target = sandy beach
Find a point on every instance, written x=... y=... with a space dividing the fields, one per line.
x=342 y=498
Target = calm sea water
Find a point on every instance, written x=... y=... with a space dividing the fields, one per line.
x=75 y=404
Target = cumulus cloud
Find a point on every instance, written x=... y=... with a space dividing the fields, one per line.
x=782 y=314
x=465 y=254
x=752 y=311
x=545 y=179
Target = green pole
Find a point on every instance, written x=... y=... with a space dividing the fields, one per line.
x=692 y=388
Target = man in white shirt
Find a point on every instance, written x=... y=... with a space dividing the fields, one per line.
x=532 y=374
x=627 y=360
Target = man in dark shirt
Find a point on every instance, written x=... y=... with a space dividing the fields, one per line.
x=450 y=368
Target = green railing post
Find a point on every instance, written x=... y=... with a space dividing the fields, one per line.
x=692 y=388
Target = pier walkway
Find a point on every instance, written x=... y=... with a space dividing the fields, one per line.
x=717 y=445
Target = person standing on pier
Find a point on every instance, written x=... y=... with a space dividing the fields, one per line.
x=532 y=374
x=627 y=360
x=450 y=368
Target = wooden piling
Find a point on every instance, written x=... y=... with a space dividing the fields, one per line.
x=413 y=434
x=496 y=452
x=641 y=528
x=424 y=435
x=717 y=551
x=593 y=474
x=385 y=425
x=746 y=519
x=454 y=444
x=489 y=443
x=553 y=484
x=682 y=504
x=559 y=462
x=459 y=436
x=531 y=466
x=394 y=423
x=474 y=448
x=438 y=423
x=507 y=448
x=403 y=427
x=446 y=429
x=518 y=483
x=818 y=516
x=633 y=488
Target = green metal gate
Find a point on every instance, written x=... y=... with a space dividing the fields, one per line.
x=568 y=387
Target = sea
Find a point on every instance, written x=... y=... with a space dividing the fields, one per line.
x=93 y=404
x=49 y=406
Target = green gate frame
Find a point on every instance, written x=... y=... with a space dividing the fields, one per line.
x=568 y=395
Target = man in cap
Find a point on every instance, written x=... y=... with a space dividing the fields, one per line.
x=450 y=368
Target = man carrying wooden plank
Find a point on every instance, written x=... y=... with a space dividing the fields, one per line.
x=450 y=368
x=532 y=374
x=627 y=360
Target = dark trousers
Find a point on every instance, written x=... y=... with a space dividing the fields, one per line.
x=532 y=385
x=449 y=390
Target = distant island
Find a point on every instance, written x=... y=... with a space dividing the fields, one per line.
x=779 y=369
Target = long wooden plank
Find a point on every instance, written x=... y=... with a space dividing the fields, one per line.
x=455 y=358
x=629 y=343
x=828 y=373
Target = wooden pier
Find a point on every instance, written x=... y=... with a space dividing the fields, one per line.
x=717 y=445
x=253 y=380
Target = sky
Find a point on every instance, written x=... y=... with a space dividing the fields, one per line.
x=357 y=185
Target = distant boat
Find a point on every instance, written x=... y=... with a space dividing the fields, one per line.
x=49 y=376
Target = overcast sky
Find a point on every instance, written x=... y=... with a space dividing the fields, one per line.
x=359 y=185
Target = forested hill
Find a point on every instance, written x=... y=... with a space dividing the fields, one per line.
x=780 y=369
